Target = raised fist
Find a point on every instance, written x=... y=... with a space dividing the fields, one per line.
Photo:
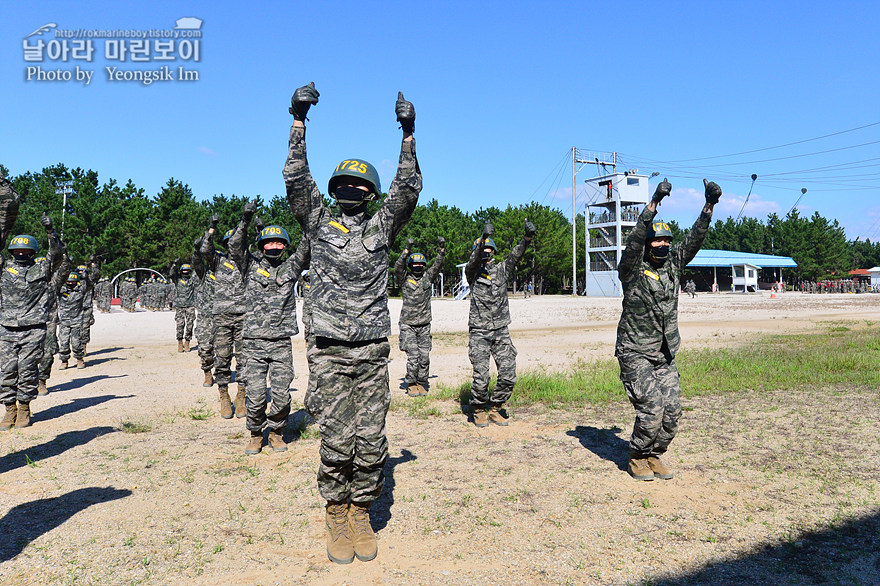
x=406 y=114
x=530 y=229
x=713 y=191
x=46 y=221
x=488 y=230
x=215 y=219
x=259 y=224
x=664 y=188
x=303 y=98
x=409 y=243
x=250 y=208
x=441 y=242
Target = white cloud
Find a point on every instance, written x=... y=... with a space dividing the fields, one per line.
x=206 y=150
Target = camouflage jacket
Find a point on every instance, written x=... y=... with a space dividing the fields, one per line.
x=416 y=291
x=649 y=323
x=89 y=294
x=269 y=290
x=349 y=253
x=229 y=297
x=488 y=282
x=128 y=289
x=23 y=301
x=184 y=289
x=54 y=289
x=205 y=286
x=70 y=301
x=305 y=288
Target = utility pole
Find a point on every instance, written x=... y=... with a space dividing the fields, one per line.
x=64 y=188
x=574 y=172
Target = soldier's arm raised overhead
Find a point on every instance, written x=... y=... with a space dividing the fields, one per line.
x=400 y=265
x=55 y=251
x=635 y=242
x=518 y=251
x=475 y=260
x=303 y=195
x=690 y=246
x=207 y=251
x=9 y=204
x=403 y=195
x=437 y=263
x=238 y=242
x=197 y=264
x=301 y=257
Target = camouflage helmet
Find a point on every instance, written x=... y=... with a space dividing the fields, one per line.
x=489 y=242
x=355 y=168
x=24 y=242
x=272 y=233
x=40 y=259
x=81 y=269
x=414 y=258
x=73 y=277
x=227 y=235
x=659 y=230
x=183 y=267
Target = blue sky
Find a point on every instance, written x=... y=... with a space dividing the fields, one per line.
x=502 y=92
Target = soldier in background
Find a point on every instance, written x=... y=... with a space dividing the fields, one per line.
x=184 y=303
x=104 y=294
x=350 y=321
x=271 y=309
x=23 y=312
x=70 y=318
x=91 y=274
x=128 y=293
x=229 y=320
x=415 y=313
x=647 y=334
x=488 y=323
x=691 y=288
x=204 y=327
x=50 y=345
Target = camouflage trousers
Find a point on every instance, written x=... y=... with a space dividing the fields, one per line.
x=272 y=360
x=349 y=400
x=654 y=389
x=50 y=349
x=228 y=331
x=185 y=318
x=416 y=342
x=87 y=322
x=20 y=350
x=129 y=302
x=497 y=344
x=70 y=338
x=104 y=304
x=205 y=336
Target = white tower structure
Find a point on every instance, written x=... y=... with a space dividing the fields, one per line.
x=616 y=202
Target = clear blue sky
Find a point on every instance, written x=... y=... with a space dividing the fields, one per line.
x=502 y=91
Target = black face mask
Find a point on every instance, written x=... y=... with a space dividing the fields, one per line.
x=23 y=259
x=418 y=271
x=486 y=256
x=658 y=253
x=273 y=254
x=349 y=198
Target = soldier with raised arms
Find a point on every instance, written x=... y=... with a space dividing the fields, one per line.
x=350 y=321
x=647 y=335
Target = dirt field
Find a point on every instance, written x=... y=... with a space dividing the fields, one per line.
x=129 y=476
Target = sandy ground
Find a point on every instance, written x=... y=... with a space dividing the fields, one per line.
x=128 y=475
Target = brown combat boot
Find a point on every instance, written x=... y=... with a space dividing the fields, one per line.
x=481 y=417
x=186 y=345
x=416 y=390
x=276 y=442
x=23 y=417
x=240 y=407
x=638 y=468
x=209 y=379
x=362 y=536
x=255 y=444
x=80 y=363
x=226 y=404
x=63 y=365
x=42 y=389
x=339 y=546
x=659 y=468
x=496 y=417
x=9 y=418
x=180 y=345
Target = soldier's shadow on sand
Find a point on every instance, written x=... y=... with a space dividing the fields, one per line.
x=381 y=509
x=61 y=443
x=26 y=522
x=107 y=350
x=74 y=406
x=81 y=382
x=297 y=422
x=605 y=443
x=96 y=361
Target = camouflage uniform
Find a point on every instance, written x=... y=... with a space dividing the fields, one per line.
x=350 y=321
x=271 y=310
x=23 y=317
x=647 y=334
x=104 y=294
x=70 y=319
x=50 y=345
x=487 y=326
x=128 y=293
x=205 y=326
x=184 y=304
x=415 y=318
x=229 y=311
x=88 y=312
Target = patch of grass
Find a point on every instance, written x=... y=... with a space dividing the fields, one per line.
x=777 y=362
x=200 y=412
x=135 y=426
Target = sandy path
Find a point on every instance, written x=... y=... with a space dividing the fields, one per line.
x=543 y=501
